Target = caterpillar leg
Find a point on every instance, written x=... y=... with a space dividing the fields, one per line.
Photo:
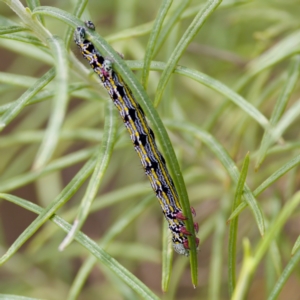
x=181 y=216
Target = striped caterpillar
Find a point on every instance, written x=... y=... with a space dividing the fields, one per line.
x=142 y=138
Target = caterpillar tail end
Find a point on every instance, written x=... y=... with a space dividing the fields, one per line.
x=180 y=249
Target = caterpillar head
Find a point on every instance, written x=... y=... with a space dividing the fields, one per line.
x=79 y=35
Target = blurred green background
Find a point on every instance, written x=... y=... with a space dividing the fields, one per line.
x=248 y=48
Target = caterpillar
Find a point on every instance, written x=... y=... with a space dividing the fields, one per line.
x=142 y=138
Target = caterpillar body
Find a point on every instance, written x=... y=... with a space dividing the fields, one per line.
x=142 y=138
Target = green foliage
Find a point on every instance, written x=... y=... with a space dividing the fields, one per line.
x=222 y=77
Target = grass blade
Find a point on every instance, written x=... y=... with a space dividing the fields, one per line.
x=290 y=267
x=62 y=198
x=251 y=263
x=186 y=39
x=216 y=263
x=120 y=226
x=167 y=257
x=214 y=85
x=153 y=39
x=228 y=164
x=234 y=226
x=269 y=181
x=296 y=246
x=63 y=162
x=285 y=48
x=11 y=29
x=103 y=159
x=291 y=80
x=17 y=107
x=32 y=4
x=91 y=246
x=20 y=80
x=60 y=104
x=170 y=23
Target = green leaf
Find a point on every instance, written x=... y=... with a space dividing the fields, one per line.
x=296 y=246
x=214 y=84
x=22 y=80
x=269 y=181
x=27 y=49
x=50 y=140
x=25 y=38
x=59 y=14
x=32 y=4
x=11 y=29
x=285 y=48
x=233 y=229
x=60 y=200
x=103 y=159
x=186 y=39
x=31 y=137
x=290 y=267
x=216 y=262
x=248 y=268
x=226 y=161
x=91 y=246
x=167 y=257
x=41 y=96
x=153 y=39
x=291 y=80
x=117 y=228
x=58 y=164
x=110 y=199
x=170 y=23
x=17 y=107
x=287 y=119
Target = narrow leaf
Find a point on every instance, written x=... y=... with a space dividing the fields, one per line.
x=234 y=226
x=50 y=140
x=228 y=164
x=186 y=39
x=92 y=247
x=103 y=159
x=60 y=200
x=163 y=10
x=290 y=83
x=269 y=181
x=214 y=84
x=17 y=107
